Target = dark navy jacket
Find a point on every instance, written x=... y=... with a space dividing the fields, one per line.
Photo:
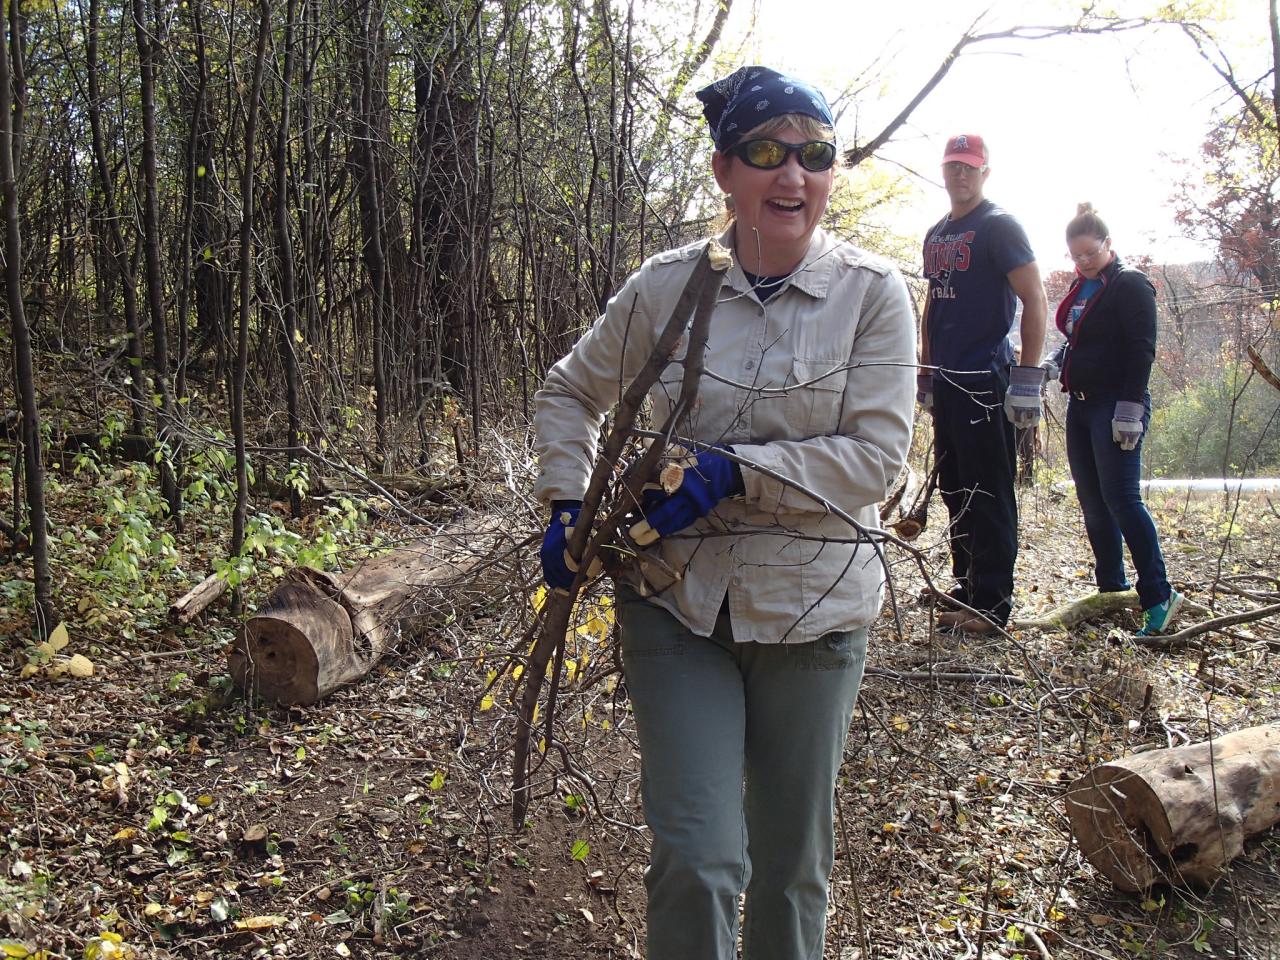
x=1109 y=353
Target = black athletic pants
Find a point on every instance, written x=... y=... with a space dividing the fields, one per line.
x=977 y=459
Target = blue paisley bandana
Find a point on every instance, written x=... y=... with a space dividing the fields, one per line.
x=751 y=95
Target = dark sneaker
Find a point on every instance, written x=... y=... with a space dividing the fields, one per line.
x=1158 y=618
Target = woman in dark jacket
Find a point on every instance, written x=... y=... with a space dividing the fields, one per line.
x=1109 y=319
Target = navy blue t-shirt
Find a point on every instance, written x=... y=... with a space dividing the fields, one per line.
x=971 y=305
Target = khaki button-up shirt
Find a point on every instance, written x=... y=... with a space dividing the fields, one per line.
x=816 y=386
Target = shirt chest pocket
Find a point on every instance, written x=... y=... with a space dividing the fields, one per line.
x=815 y=398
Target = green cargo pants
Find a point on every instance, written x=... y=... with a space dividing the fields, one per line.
x=711 y=714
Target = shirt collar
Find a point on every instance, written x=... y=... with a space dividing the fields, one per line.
x=813 y=276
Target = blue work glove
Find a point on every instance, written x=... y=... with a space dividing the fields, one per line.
x=1126 y=424
x=1022 y=399
x=924 y=390
x=555 y=571
x=706 y=481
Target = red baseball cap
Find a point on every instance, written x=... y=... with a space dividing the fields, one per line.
x=967 y=148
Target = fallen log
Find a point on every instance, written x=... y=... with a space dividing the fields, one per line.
x=196 y=600
x=320 y=630
x=1177 y=816
x=1092 y=607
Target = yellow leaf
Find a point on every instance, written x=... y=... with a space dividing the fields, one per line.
x=58 y=639
x=263 y=922
x=125 y=835
x=151 y=909
x=892 y=827
x=108 y=945
x=12 y=948
x=84 y=604
x=901 y=724
x=486 y=702
x=29 y=670
x=80 y=666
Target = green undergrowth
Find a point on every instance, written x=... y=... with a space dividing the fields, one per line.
x=118 y=562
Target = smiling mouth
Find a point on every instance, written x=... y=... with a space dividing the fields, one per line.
x=787 y=206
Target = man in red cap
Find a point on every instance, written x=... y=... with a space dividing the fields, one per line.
x=979 y=265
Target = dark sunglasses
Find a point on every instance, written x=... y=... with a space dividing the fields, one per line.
x=766 y=154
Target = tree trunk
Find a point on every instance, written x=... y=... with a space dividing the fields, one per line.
x=165 y=432
x=210 y=276
x=1179 y=815
x=240 y=515
x=320 y=630
x=112 y=218
x=284 y=251
x=24 y=372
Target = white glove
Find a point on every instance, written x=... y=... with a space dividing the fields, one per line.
x=1126 y=424
x=1022 y=400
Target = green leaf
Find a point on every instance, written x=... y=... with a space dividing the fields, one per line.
x=580 y=850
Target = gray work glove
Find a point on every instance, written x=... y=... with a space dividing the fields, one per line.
x=924 y=390
x=1126 y=424
x=1051 y=371
x=1022 y=400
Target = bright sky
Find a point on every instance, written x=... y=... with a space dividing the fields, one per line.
x=1103 y=119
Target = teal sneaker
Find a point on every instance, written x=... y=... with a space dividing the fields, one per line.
x=1157 y=619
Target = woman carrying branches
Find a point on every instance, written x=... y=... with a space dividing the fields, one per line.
x=1109 y=319
x=746 y=668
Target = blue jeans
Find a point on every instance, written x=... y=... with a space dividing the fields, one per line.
x=1106 y=479
x=710 y=714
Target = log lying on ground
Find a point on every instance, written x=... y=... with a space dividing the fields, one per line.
x=1180 y=815
x=194 y=602
x=320 y=630
x=1092 y=607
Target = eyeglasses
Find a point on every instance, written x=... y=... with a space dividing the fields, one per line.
x=957 y=168
x=765 y=154
x=1086 y=257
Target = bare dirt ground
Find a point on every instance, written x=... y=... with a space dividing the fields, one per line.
x=144 y=817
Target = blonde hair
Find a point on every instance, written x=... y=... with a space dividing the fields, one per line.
x=808 y=127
